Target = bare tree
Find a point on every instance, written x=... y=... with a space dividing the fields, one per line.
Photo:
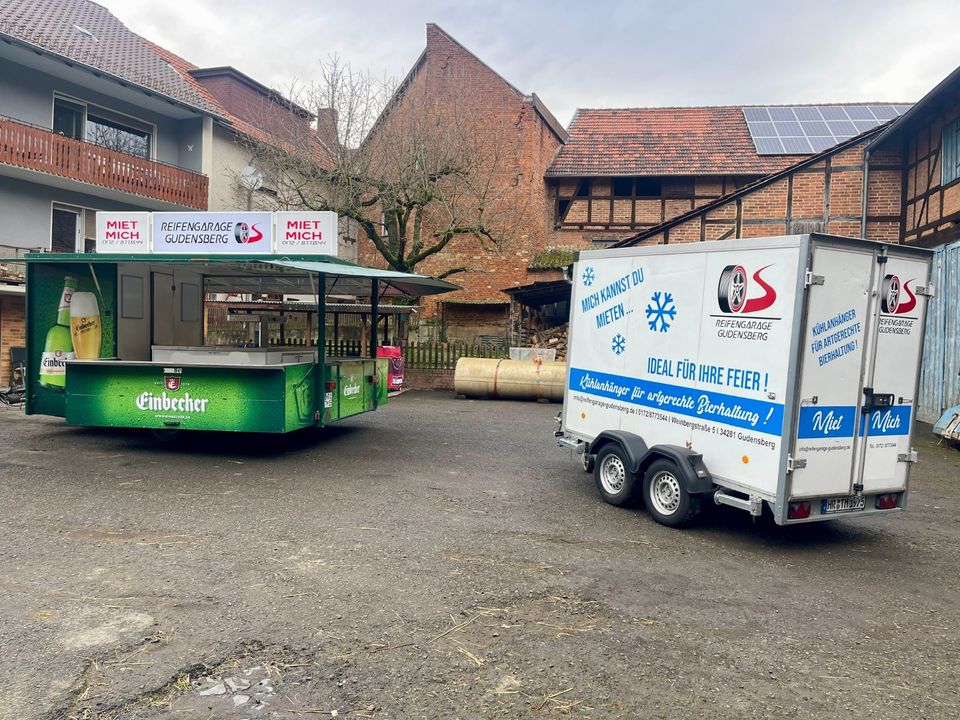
x=415 y=170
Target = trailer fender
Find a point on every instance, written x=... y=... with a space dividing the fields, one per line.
x=694 y=472
x=633 y=446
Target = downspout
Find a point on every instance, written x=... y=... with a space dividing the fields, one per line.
x=863 y=199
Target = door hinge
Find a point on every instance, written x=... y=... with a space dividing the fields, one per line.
x=907 y=457
x=812 y=279
x=926 y=290
x=795 y=463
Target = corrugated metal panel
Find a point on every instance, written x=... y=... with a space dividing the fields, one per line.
x=939 y=380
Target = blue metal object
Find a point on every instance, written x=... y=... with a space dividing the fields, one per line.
x=940 y=371
x=948 y=425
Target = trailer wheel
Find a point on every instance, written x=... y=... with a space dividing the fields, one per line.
x=665 y=496
x=612 y=473
x=732 y=289
x=588 y=461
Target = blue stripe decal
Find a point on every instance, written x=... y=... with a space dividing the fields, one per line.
x=834 y=421
x=892 y=421
x=758 y=415
x=826 y=421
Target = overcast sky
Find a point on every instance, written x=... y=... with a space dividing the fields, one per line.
x=587 y=53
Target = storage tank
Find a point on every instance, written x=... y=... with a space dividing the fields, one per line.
x=510 y=379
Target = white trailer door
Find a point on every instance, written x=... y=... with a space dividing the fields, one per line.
x=885 y=432
x=832 y=370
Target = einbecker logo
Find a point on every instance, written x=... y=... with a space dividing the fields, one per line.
x=242 y=232
x=891 y=302
x=733 y=289
x=171 y=383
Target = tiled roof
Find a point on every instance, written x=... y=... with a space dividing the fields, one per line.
x=183 y=67
x=662 y=141
x=88 y=34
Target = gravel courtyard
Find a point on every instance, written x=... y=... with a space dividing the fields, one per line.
x=442 y=558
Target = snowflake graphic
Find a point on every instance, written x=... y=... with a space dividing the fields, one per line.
x=589 y=276
x=619 y=344
x=661 y=311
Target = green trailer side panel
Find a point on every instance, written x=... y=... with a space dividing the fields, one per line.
x=45 y=286
x=196 y=398
x=383 y=367
x=300 y=391
x=354 y=392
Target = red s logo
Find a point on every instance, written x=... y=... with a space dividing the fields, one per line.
x=890 y=301
x=732 y=291
x=256 y=234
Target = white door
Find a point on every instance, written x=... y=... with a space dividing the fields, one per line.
x=835 y=341
x=885 y=431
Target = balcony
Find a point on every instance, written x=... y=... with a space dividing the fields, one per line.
x=34 y=148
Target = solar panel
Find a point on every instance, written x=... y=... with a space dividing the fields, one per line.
x=807 y=129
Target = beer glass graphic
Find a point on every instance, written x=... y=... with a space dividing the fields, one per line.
x=85 y=325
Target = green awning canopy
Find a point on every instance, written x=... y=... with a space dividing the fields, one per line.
x=264 y=274
x=340 y=275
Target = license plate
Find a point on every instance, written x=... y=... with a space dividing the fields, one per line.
x=843 y=504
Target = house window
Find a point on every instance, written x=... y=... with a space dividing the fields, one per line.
x=73 y=229
x=68 y=118
x=102 y=127
x=118 y=133
x=951 y=153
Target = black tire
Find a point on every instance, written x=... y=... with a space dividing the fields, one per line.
x=615 y=480
x=588 y=461
x=666 y=496
x=241 y=231
x=890 y=294
x=732 y=289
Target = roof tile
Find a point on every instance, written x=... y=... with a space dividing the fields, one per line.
x=662 y=141
x=87 y=33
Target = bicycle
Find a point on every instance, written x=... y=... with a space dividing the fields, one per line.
x=15 y=394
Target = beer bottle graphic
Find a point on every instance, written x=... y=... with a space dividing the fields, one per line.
x=58 y=347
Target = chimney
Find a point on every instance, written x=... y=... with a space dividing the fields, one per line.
x=327 y=127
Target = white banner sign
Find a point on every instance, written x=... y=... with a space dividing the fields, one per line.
x=306 y=233
x=228 y=233
x=123 y=232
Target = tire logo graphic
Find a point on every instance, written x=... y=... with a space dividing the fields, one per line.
x=890 y=294
x=246 y=234
x=732 y=290
x=242 y=232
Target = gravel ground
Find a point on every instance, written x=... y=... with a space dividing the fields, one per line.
x=441 y=558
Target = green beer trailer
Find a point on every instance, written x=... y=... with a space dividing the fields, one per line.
x=117 y=340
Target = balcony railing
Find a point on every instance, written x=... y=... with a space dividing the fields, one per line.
x=39 y=149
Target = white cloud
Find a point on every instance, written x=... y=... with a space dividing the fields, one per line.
x=576 y=54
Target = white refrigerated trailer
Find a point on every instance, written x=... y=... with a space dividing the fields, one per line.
x=779 y=371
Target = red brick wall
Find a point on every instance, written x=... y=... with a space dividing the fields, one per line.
x=677 y=199
x=825 y=195
x=449 y=73
x=932 y=210
x=12 y=332
x=248 y=104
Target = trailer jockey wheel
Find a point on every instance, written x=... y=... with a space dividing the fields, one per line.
x=665 y=496
x=588 y=461
x=615 y=481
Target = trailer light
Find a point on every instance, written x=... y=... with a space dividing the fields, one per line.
x=331 y=386
x=887 y=502
x=798 y=510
